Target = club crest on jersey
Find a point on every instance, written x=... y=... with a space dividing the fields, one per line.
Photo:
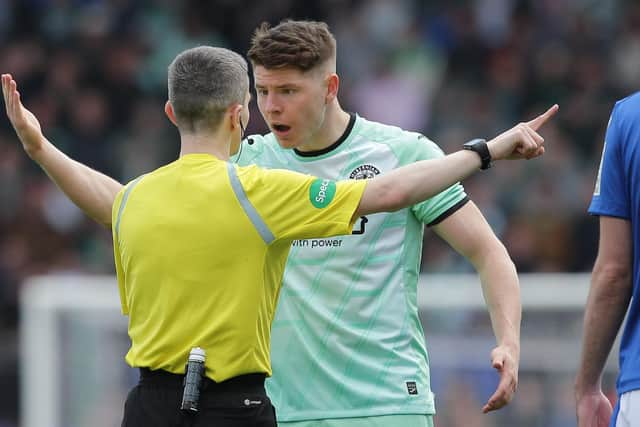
x=364 y=172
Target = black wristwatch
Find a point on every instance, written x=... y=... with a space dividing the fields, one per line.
x=480 y=146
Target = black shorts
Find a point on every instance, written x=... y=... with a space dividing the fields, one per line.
x=238 y=402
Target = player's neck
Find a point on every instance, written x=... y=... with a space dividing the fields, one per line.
x=335 y=122
x=203 y=143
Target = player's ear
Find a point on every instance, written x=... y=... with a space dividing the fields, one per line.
x=168 y=110
x=333 y=83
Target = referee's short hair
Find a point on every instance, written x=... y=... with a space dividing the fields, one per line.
x=203 y=82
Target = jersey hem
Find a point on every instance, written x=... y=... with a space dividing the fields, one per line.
x=629 y=385
x=327 y=415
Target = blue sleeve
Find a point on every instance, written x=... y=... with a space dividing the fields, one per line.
x=610 y=196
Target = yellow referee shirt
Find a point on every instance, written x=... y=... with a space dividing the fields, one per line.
x=200 y=248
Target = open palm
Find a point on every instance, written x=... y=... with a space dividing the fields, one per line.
x=24 y=122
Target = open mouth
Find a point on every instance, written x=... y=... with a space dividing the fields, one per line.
x=281 y=128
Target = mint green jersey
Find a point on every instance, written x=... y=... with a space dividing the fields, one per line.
x=346 y=340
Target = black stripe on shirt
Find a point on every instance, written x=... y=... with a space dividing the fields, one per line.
x=446 y=214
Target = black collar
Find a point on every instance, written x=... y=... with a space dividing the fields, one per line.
x=343 y=137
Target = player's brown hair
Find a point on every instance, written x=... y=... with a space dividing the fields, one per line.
x=299 y=44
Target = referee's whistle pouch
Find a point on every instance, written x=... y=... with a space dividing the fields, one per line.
x=193 y=380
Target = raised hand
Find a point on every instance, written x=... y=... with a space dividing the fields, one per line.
x=522 y=141
x=24 y=122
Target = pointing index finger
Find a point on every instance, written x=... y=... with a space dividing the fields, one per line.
x=537 y=123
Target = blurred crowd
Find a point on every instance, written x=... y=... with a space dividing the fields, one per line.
x=94 y=73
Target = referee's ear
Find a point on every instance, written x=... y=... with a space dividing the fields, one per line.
x=168 y=109
x=235 y=114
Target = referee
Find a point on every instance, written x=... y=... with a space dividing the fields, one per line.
x=200 y=244
x=200 y=247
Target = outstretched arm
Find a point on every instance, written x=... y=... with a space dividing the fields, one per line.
x=468 y=233
x=609 y=296
x=418 y=181
x=90 y=190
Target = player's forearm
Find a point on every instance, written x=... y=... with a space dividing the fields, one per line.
x=501 y=290
x=90 y=190
x=607 y=304
x=416 y=182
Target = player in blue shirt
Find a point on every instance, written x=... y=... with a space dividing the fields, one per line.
x=615 y=281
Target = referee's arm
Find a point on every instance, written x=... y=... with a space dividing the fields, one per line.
x=90 y=190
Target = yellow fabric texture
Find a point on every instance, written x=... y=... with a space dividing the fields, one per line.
x=192 y=268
